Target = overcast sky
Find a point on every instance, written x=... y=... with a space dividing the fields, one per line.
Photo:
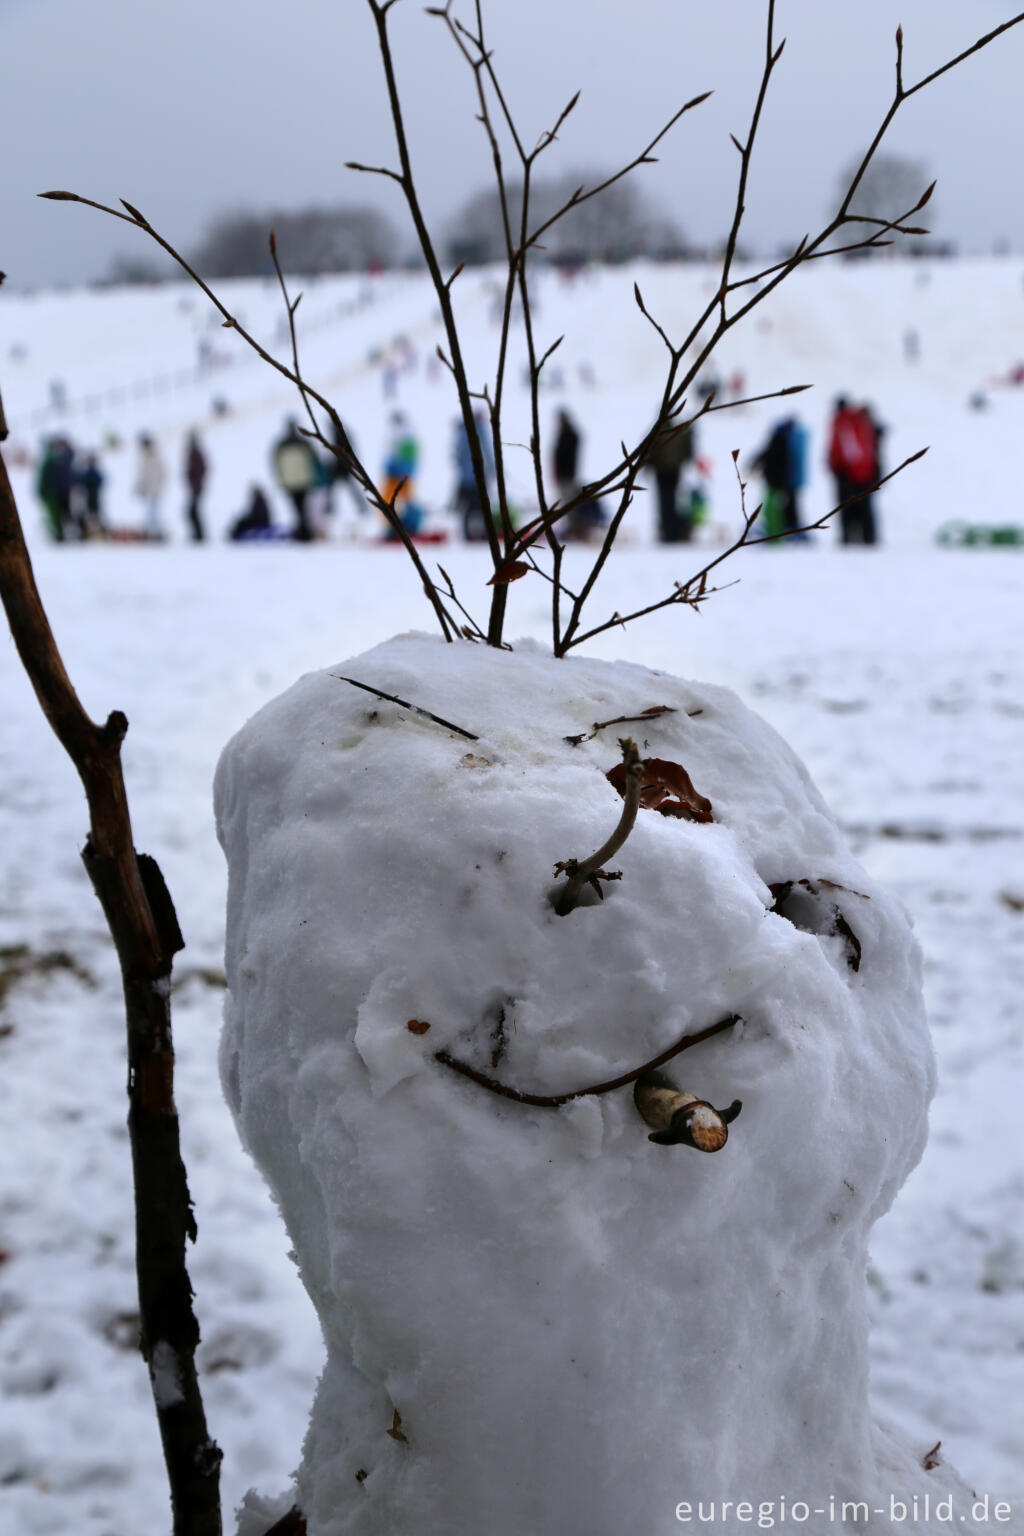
x=190 y=107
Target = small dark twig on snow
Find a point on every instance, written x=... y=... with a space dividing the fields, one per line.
x=556 y=1100
x=599 y=725
x=393 y=698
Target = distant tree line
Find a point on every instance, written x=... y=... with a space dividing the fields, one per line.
x=312 y=241
x=619 y=224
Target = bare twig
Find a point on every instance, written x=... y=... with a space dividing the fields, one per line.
x=379 y=10
x=555 y=1100
x=696 y=590
x=307 y=392
x=145 y=932
x=643 y=158
x=471 y=629
x=393 y=698
x=653 y=713
x=591 y=870
x=686 y=358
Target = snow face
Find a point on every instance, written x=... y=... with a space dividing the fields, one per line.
x=536 y=1320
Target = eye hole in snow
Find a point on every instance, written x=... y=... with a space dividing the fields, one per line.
x=808 y=905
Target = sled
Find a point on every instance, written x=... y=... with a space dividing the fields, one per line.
x=427 y=536
x=133 y=536
x=959 y=535
x=269 y=535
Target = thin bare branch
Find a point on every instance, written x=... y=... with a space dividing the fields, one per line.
x=650 y=318
x=943 y=69
x=305 y=389
x=692 y=593
x=393 y=698
x=588 y=871
x=555 y=1100
x=583 y=195
x=746 y=151
x=379 y=12
x=474 y=629
x=145 y=932
x=373 y=170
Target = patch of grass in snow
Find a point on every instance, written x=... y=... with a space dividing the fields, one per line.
x=20 y=961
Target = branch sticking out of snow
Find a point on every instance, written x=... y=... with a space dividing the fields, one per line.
x=680 y=1118
x=599 y=725
x=591 y=871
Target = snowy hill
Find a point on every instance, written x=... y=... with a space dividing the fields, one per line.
x=159 y=360
x=896 y=674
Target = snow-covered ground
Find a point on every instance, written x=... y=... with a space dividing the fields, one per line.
x=896 y=674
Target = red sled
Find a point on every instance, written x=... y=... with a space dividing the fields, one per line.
x=428 y=536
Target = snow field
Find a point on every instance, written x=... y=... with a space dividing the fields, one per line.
x=897 y=678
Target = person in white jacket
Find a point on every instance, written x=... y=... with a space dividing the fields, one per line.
x=150 y=478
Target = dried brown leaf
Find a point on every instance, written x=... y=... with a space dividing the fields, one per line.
x=509 y=570
x=667 y=788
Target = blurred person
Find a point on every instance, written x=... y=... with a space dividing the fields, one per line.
x=90 y=479
x=340 y=467
x=296 y=468
x=53 y=486
x=400 y=462
x=782 y=462
x=566 y=457
x=853 y=458
x=150 y=479
x=674 y=448
x=195 y=478
x=467 y=492
x=255 y=522
x=585 y=519
x=588 y=517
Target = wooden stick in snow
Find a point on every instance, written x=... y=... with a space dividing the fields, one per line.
x=680 y=1118
x=145 y=931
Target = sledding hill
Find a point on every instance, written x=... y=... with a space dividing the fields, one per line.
x=159 y=360
x=896 y=675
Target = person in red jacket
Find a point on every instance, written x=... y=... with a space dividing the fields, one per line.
x=853 y=458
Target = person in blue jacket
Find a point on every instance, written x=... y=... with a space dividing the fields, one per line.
x=783 y=464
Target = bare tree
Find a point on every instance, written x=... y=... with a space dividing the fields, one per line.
x=133 y=895
x=620 y=225
x=124 y=270
x=890 y=184
x=310 y=240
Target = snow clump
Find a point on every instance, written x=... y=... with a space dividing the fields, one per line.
x=537 y=1321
